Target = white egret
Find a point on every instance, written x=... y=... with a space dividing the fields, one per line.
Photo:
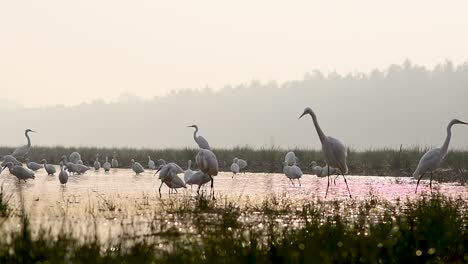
x=201 y=141
x=10 y=158
x=49 y=168
x=292 y=172
x=208 y=163
x=160 y=162
x=290 y=158
x=33 y=165
x=333 y=150
x=114 y=161
x=188 y=172
x=316 y=170
x=97 y=164
x=23 y=150
x=234 y=169
x=74 y=157
x=106 y=165
x=136 y=167
x=432 y=159
x=199 y=178
x=20 y=172
x=151 y=164
x=168 y=175
x=63 y=175
x=242 y=164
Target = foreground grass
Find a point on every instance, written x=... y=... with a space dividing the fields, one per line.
x=392 y=162
x=431 y=229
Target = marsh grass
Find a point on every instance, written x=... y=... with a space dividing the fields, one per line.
x=430 y=229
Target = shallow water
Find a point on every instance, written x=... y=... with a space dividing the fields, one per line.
x=120 y=196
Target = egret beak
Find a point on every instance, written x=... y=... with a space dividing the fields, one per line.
x=303 y=114
x=464 y=123
x=157 y=171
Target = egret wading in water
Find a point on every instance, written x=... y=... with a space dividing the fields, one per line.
x=199 y=178
x=22 y=152
x=20 y=172
x=188 y=173
x=114 y=161
x=208 y=163
x=333 y=150
x=106 y=165
x=97 y=164
x=74 y=158
x=168 y=175
x=136 y=167
x=201 y=141
x=234 y=169
x=49 y=168
x=151 y=164
x=432 y=159
x=242 y=164
x=33 y=165
x=63 y=175
x=292 y=172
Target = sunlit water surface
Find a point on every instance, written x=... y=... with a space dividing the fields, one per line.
x=119 y=197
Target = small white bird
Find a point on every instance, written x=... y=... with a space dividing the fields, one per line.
x=151 y=164
x=201 y=141
x=136 y=167
x=290 y=158
x=168 y=175
x=97 y=164
x=49 y=168
x=188 y=172
x=20 y=172
x=199 y=178
x=234 y=169
x=333 y=150
x=432 y=159
x=33 y=165
x=106 y=165
x=242 y=164
x=23 y=150
x=115 y=162
x=63 y=175
x=292 y=172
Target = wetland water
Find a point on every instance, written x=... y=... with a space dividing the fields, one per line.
x=120 y=200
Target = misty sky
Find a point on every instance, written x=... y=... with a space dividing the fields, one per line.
x=73 y=51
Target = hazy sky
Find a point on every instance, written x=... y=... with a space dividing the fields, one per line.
x=73 y=51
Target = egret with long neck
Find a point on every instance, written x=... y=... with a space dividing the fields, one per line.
x=201 y=141
x=24 y=150
x=432 y=159
x=333 y=150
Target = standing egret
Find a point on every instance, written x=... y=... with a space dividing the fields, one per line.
x=63 y=175
x=20 y=172
x=201 y=141
x=168 y=175
x=49 y=168
x=10 y=158
x=136 y=167
x=106 y=165
x=242 y=164
x=74 y=157
x=234 y=169
x=333 y=150
x=97 y=164
x=151 y=164
x=33 y=165
x=316 y=170
x=115 y=162
x=23 y=150
x=432 y=159
x=292 y=172
x=188 y=173
x=199 y=178
x=208 y=163
x=290 y=158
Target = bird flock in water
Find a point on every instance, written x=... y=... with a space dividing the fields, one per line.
x=334 y=154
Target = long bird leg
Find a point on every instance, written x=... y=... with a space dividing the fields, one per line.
x=347 y=186
x=175 y=190
x=418 y=182
x=160 y=189
x=334 y=180
x=198 y=189
x=212 y=187
x=328 y=184
x=299 y=181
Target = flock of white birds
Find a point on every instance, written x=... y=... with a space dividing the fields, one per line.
x=333 y=150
